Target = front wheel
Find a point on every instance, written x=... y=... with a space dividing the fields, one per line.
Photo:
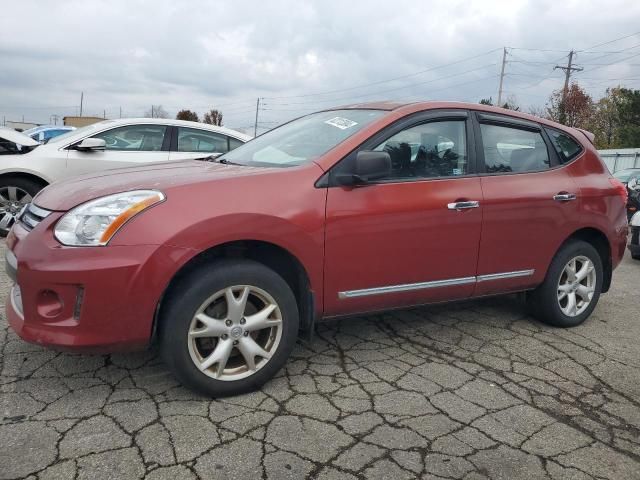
x=571 y=288
x=228 y=327
x=15 y=193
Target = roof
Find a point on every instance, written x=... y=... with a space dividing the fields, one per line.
x=178 y=123
x=411 y=107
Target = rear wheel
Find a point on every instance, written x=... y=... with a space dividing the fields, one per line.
x=572 y=287
x=15 y=193
x=228 y=327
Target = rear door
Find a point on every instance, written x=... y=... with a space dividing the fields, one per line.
x=407 y=239
x=530 y=203
x=126 y=146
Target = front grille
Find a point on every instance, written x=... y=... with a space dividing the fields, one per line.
x=32 y=216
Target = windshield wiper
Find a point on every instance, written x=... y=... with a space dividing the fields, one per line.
x=218 y=159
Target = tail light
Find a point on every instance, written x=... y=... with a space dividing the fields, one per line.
x=620 y=189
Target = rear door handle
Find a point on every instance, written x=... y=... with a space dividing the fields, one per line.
x=564 y=197
x=463 y=205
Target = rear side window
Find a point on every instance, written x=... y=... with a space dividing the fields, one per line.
x=567 y=147
x=234 y=143
x=508 y=149
x=196 y=140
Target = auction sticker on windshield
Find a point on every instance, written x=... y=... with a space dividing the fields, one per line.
x=341 y=123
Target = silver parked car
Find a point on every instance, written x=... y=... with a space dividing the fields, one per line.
x=26 y=166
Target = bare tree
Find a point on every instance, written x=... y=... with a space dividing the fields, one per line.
x=510 y=104
x=538 y=111
x=213 y=117
x=156 y=112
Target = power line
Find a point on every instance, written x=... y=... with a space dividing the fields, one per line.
x=328 y=92
x=612 y=63
x=611 y=41
x=381 y=91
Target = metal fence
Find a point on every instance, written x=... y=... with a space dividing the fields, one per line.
x=621 y=159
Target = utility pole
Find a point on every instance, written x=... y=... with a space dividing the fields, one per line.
x=120 y=116
x=567 y=74
x=55 y=119
x=255 y=125
x=504 y=62
x=81 y=101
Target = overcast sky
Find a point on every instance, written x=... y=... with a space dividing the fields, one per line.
x=130 y=54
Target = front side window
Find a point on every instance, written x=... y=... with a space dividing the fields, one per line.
x=196 y=140
x=142 y=138
x=302 y=140
x=567 y=147
x=435 y=149
x=508 y=149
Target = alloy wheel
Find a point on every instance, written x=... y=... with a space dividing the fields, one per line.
x=576 y=286
x=235 y=332
x=12 y=199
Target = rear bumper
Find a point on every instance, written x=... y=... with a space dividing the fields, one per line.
x=89 y=299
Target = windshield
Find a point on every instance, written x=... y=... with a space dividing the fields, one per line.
x=302 y=140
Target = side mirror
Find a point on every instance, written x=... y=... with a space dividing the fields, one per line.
x=368 y=166
x=91 y=144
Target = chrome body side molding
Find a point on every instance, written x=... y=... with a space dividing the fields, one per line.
x=501 y=276
x=407 y=287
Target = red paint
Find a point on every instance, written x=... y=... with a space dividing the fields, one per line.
x=345 y=238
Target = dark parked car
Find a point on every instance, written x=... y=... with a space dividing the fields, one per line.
x=634 y=243
x=630 y=176
x=346 y=211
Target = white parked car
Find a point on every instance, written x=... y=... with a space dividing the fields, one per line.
x=26 y=166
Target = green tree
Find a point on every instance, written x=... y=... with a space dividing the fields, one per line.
x=629 y=111
x=187 y=115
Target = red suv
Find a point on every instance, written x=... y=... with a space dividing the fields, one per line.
x=346 y=211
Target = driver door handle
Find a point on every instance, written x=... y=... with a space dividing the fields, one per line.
x=463 y=205
x=564 y=197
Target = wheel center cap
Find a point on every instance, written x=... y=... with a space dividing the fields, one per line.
x=235 y=332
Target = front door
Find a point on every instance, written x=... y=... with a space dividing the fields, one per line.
x=411 y=238
x=127 y=146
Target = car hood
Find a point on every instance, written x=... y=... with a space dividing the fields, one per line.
x=14 y=136
x=64 y=195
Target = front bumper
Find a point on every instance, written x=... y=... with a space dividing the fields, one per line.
x=93 y=299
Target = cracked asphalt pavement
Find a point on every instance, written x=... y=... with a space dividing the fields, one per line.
x=470 y=391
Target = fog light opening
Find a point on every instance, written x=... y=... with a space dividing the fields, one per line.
x=49 y=304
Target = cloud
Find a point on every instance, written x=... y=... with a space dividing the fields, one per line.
x=199 y=54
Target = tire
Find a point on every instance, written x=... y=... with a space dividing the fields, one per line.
x=12 y=201
x=635 y=256
x=545 y=302
x=204 y=293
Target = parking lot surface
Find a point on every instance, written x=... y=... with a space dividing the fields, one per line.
x=471 y=391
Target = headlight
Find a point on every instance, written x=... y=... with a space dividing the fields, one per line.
x=635 y=220
x=95 y=222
